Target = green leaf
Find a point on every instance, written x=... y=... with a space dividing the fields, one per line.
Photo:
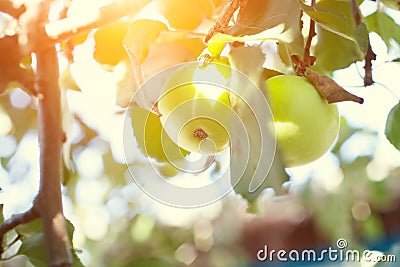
x=385 y=26
x=33 y=245
x=247 y=172
x=284 y=53
x=336 y=28
x=67 y=82
x=217 y=43
x=268 y=73
x=77 y=261
x=34 y=227
x=30 y=229
x=70 y=229
x=264 y=20
x=34 y=249
x=361 y=36
x=141 y=34
x=172 y=48
x=70 y=232
x=23 y=120
x=7 y=125
x=329 y=57
x=334 y=16
x=113 y=170
x=151 y=48
x=68 y=169
x=392 y=129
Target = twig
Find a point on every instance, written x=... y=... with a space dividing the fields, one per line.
x=326 y=87
x=63 y=29
x=354 y=10
x=368 y=79
x=301 y=65
x=16 y=220
x=222 y=23
x=311 y=35
x=370 y=55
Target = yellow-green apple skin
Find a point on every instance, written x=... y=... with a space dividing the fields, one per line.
x=149 y=135
x=306 y=126
x=196 y=115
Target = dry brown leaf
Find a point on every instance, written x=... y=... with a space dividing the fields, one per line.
x=329 y=89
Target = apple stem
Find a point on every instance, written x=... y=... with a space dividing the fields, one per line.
x=200 y=134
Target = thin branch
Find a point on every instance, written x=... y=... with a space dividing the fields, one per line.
x=222 y=23
x=370 y=55
x=63 y=29
x=51 y=138
x=42 y=36
x=354 y=10
x=16 y=220
x=308 y=60
x=368 y=79
x=311 y=35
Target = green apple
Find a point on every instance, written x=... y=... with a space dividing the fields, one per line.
x=305 y=124
x=150 y=138
x=196 y=115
